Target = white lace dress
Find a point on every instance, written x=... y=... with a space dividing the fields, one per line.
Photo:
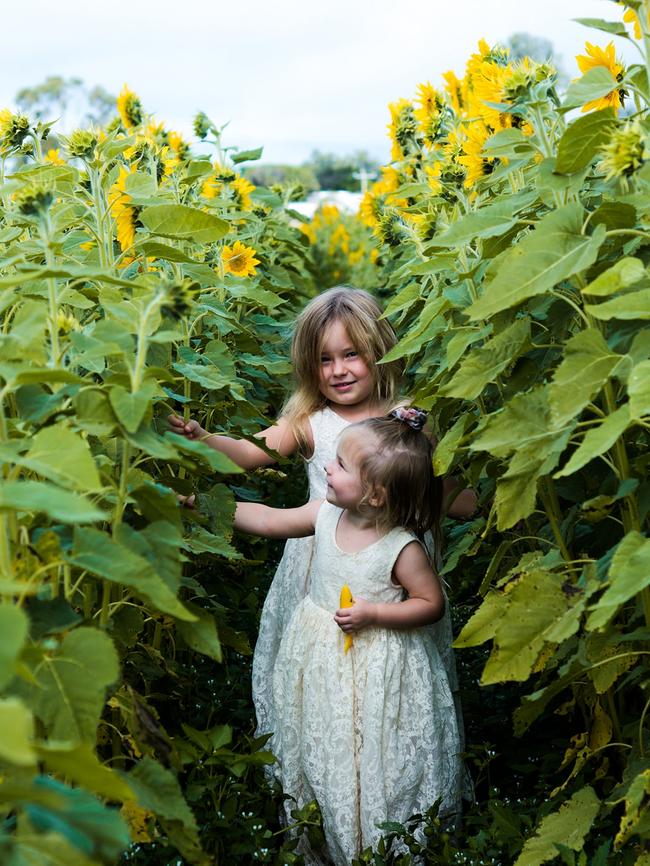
x=290 y=584
x=371 y=734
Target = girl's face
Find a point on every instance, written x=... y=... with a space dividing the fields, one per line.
x=344 y=486
x=344 y=377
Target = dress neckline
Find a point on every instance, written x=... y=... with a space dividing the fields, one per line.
x=355 y=552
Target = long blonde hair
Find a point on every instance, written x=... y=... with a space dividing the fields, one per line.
x=372 y=337
x=396 y=460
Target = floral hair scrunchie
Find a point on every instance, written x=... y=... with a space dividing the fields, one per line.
x=411 y=415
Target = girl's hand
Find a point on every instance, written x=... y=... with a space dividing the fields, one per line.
x=189 y=429
x=361 y=614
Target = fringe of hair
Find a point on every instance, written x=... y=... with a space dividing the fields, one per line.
x=371 y=336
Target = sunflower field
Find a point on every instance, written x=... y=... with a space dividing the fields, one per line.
x=509 y=239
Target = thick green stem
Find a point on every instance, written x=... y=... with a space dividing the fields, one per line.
x=552 y=509
x=52 y=294
x=100 y=223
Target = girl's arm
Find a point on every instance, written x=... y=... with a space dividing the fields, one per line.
x=425 y=603
x=280 y=437
x=257 y=519
x=456 y=501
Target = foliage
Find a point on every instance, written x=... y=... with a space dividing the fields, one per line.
x=125 y=621
x=340 y=172
x=515 y=250
x=56 y=96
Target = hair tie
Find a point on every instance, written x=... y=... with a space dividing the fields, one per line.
x=411 y=415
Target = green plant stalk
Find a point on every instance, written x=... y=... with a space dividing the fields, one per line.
x=6 y=568
x=104 y=613
x=95 y=186
x=52 y=296
x=552 y=508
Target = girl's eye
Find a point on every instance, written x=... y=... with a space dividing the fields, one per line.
x=352 y=354
x=324 y=359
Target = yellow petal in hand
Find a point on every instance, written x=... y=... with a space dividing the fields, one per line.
x=346 y=600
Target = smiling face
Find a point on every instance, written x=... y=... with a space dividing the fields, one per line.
x=344 y=377
x=344 y=485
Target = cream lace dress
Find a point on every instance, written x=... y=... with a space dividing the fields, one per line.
x=371 y=734
x=291 y=583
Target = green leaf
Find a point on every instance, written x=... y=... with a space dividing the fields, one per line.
x=489 y=221
x=80 y=764
x=485 y=363
x=181 y=221
x=524 y=420
x=247 y=155
x=131 y=407
x=57 y=503
x=594 y=84
x=482 y=625
x=635 y=305
x=216 y=460
x=638 y=389
x=14 y=627
x=629 y=573
x=615 y=27
x=16 y=733
x=597 y=440
x=582 y=138
x=446 y=449
x=165 y=252
x=72 y=684
x=429 y=323
x=106 y=557
x=201 y=635
x=202 y=541
x=157 y=789
x=626 y=272
x=568 y=826
x=587 y=365
x=556 y=250
x=533 y=612
x=60 y=454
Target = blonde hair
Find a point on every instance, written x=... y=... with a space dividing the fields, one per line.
x=372 y=337
x=396 y=467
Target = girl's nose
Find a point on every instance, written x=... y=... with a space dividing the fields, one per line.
x=338 y=367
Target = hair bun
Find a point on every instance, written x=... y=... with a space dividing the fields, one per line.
x=411 y=415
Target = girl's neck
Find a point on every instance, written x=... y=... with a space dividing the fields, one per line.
x=358 y=411
x=355 y=532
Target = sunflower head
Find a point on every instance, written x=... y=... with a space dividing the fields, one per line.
x=129 y=108
x=389 y=228
x=82 y=143
x=626 y=150
x=33 y=199
x=242 y=189
x=179 y=296
x=518 y=84
x=239 y=260
x=14 y=128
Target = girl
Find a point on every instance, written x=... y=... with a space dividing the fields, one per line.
x=372 y=734
x=338 y=340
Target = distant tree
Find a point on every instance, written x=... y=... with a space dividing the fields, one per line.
x=340 y=172
x=286 y=175
x=67 y=99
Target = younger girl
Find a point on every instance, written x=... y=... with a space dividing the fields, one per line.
x=372 y=733
x=338 y=340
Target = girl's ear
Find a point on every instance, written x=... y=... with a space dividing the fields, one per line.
x=378 y=497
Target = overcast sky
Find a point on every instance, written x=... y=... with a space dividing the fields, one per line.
x=290 y=75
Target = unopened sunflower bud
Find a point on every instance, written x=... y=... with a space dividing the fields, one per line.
x=33 y=199
x=129 y=108
x=625 y=151
x=14 y=128
x=202 y=125
x=179 y=295
x=82 y=143
x=346 y=600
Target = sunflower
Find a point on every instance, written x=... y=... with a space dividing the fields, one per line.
x=429 y=112
x=242 y=190
x=369 y=209
x=123 y=213
x=606 y=57
x=13 y=129
x=632 y=17
x=129 y=108
x=455 y=90
x=472 y=157
x=340 y=239
x=402 y=127
x=53 y=157
x=239 y=260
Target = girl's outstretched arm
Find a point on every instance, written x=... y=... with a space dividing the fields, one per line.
x=456 y=501
x=257 y=519
x=425 y=603
x=280 y=437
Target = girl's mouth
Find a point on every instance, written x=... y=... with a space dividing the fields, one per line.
x=343 y=384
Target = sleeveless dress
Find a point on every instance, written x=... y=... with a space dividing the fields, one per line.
x=371 y=734
x=291 y=583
